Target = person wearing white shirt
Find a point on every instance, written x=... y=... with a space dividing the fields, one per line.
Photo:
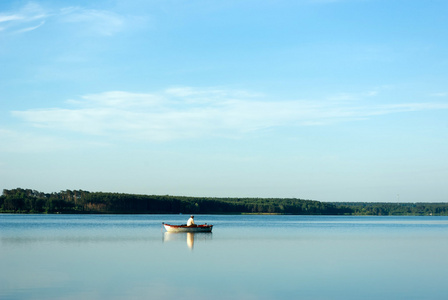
x=190 y=221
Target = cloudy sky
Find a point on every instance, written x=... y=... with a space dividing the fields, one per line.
x=330 y=100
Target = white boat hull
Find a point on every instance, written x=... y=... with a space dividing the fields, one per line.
x=185 y=228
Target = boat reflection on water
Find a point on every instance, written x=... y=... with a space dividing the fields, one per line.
x=190 y=237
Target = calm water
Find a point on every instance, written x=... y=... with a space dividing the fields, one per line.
x=246 y=257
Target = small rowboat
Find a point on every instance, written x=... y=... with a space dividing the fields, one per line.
x=185 y=228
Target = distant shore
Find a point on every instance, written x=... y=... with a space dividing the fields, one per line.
x=84 y=202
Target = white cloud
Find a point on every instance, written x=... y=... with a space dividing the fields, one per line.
x=28 y=18
x=30 y=28
x=88 y=21
x=118 y=99
x=439 y=95
x=192 y=113
x=98 y=21
x=6 y=18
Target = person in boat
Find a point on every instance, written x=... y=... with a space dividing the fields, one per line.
x=190 y=221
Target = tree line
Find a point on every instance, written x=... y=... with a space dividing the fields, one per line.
x=78 y=201
x=396 y=209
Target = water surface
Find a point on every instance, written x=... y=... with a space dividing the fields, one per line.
x=246 y=257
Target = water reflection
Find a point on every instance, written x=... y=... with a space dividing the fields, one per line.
x=189 y=237
x=307 y=257
x=72 y=239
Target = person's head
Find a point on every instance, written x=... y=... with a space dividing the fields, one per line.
x=192 y=216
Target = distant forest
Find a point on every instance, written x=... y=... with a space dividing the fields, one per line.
x=83 y=202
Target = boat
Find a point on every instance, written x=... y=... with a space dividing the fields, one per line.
x=184 y=228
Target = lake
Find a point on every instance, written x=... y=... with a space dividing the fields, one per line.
x=246 y=257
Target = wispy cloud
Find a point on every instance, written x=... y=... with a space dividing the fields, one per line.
x=100 y=22
x=30 y=28
x=33 y=15
x=6 y=18
x=439 y=95
x=28 y=18
x=178 y=113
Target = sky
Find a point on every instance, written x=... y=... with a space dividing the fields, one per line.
x=328 y=100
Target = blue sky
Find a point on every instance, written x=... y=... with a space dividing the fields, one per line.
x=330 y=100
